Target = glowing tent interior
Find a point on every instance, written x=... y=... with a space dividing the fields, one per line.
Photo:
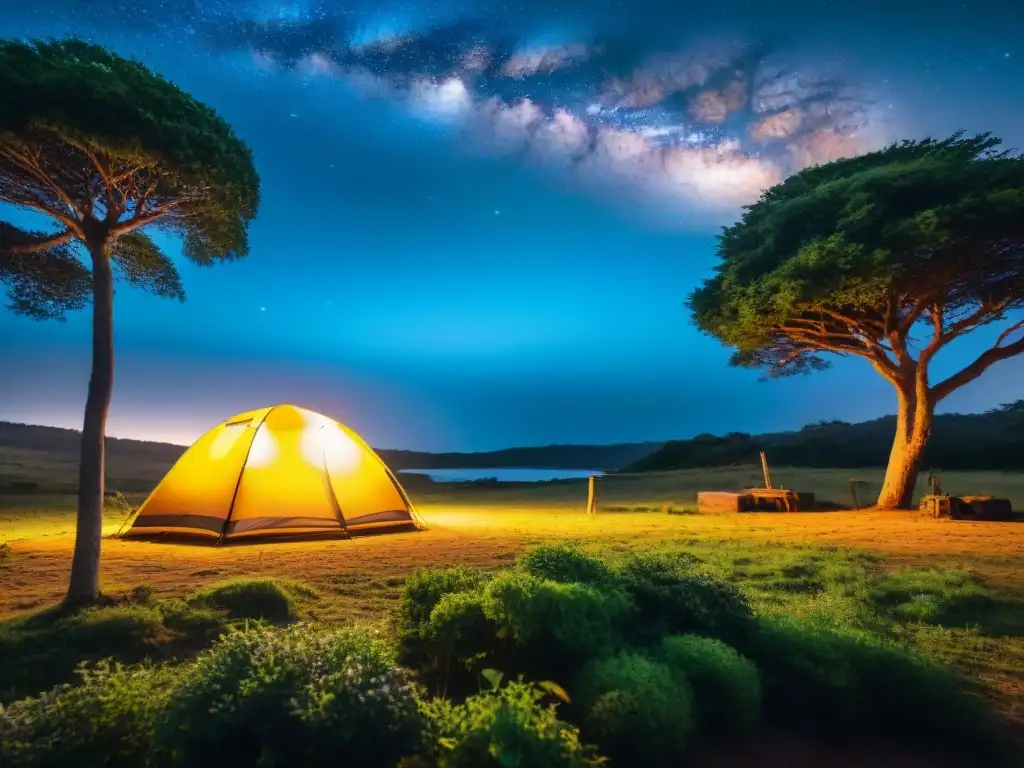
x=277 y=471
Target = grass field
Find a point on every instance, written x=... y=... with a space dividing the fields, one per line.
x=953 y=589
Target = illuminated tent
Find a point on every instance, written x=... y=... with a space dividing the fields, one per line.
x=276 y=471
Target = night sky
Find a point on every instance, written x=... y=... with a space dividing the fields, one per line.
x=480 y=220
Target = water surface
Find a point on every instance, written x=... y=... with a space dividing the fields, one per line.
x=504 y=474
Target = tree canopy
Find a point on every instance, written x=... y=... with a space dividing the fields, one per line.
x=109 y=151
x=855 y=256
x=104 y=146
x=889 y=256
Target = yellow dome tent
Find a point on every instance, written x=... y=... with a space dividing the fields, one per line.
x=276 y=471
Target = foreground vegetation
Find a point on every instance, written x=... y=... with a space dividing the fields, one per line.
x=776 y=629
x=562 y=659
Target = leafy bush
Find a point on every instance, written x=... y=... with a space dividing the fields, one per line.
x=672 y=599
x=553 y=627
x=566 y=563
x=808 y=676
x=422 y=592
x=636 y=710
x=726 y=686
x=293 y=696
x=107 y=719
x=460 y=629
x=833 y=682
x=49 y=646
x=908 y=698
x=263 y=598
x=507 y=727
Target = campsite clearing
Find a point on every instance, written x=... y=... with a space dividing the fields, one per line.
x=805 y=564
x=830 y=565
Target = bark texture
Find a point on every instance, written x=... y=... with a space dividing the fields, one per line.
x=913 y=428
x=84 y=585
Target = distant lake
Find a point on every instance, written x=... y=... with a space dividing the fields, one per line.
x=504 y=474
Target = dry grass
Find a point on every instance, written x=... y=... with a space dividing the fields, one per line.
x=370 y=569
x=489 y=526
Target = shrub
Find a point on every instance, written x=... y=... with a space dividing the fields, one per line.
x=293 y=696
x=672 y=599
x=107 y=719
x=6 y=553
x=422 y=592
x=263 y=598
x=636 y=711
x=200 y=627
x=49 y=646
x=459 y=628
x=908 y=698
x=808 y=678
x=726 y=686
x=566 y=563
x=553 y=627
x=826 y=681
x=508 y=727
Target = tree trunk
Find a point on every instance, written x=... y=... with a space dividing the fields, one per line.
x=913 y=428
x=84 y=586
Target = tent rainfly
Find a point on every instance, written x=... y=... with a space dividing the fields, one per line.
x=276 y=471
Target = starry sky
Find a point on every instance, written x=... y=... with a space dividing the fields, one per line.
x=480 y=218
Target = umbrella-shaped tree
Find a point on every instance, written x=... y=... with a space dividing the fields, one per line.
x=889 y=257
x=108 y=150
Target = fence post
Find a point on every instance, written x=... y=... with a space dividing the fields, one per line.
x=592 y=496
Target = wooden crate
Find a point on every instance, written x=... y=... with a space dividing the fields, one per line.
x=723 y=501
x=968 y=507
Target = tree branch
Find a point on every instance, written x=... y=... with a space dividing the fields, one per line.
x=142 y=219
x=916 y=310
x=35 y=245
x=981 y=364
x=936 y=315
x=976 y=318
x=819 y=336
x=33 y=201
x=1006 y=334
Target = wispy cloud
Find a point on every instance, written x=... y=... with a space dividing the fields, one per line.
x=532 y=61
x=706 y=125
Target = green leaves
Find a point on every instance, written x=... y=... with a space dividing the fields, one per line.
x=43 y=282
x=839 y=257
x=493 y=678
x=143 y=265
x=106 y=147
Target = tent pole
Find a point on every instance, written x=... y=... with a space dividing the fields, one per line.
x=334 y=496
x=238 y=482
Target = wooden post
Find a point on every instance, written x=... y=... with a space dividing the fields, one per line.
x=592 y=496
x=764 y=468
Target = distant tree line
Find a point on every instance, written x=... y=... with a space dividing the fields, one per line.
x=539 y=457
x=992 y=440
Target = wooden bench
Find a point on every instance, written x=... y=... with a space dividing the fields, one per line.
x=777 y=497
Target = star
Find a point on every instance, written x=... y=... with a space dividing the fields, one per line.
x=497 y=212
x=263 y=309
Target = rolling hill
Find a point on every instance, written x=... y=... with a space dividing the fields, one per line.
x=28 y=453
x=992 y=440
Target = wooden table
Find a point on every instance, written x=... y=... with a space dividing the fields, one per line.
x=782 y=499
